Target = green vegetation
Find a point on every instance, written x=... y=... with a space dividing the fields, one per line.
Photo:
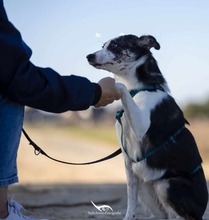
x=194 y=110
x=97 y=133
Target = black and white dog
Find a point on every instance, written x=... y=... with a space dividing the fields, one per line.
x=162 y=161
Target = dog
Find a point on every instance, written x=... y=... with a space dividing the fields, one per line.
x=162 y=161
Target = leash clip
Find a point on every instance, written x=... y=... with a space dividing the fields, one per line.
x=37 y=152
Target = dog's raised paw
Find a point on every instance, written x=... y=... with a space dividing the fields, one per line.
x=121 y=88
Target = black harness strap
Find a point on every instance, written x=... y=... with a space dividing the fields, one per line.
x=38 y=150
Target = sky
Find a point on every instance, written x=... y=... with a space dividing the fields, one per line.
x=61 y=34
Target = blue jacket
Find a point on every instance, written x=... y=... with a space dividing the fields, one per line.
x=37 y=87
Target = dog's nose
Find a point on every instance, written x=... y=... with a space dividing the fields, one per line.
x=91 y=57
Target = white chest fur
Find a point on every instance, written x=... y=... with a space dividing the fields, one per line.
x=136 y=122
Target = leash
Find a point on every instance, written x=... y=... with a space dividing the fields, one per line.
x=38 y=150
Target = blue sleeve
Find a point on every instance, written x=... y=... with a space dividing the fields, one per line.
x=37 y=87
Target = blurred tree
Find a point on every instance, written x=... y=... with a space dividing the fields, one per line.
x=194 y=110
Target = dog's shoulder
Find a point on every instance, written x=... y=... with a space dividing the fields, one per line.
x=166 y=118
x=148 y=101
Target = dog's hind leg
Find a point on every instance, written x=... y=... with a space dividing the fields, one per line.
x=147 y=196
x=161 y=190
x=184 y=196
x=189 y=196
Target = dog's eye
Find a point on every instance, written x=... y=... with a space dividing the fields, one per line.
x=113 y=46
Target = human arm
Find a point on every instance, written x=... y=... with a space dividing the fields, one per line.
x=44 y=88
x=41 y=88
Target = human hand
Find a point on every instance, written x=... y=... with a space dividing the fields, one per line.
x=109 y=92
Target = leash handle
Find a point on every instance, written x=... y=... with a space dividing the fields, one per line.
x=38 y=150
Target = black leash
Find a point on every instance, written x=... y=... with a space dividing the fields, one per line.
x=38 y=150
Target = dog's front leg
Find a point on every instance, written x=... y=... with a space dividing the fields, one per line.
x=137 y=118
x=132 y=191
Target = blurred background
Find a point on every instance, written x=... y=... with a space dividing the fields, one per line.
x=62 y=33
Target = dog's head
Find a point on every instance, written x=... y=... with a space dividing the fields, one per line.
x=122 y=53
x=130 y=59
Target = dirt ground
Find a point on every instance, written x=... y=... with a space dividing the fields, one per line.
x=66 y=202
x=61 y=192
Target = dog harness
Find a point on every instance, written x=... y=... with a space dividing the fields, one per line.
x=151 y=152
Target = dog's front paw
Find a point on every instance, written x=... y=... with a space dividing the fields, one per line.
x=121 y=88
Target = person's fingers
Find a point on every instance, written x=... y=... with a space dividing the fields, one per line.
x=109 y=92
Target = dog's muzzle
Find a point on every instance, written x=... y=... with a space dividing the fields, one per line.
x=91 y=58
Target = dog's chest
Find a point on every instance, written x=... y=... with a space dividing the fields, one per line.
x=131 y=140
x=145 y=102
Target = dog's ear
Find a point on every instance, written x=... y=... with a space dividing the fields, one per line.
x=148 y=42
